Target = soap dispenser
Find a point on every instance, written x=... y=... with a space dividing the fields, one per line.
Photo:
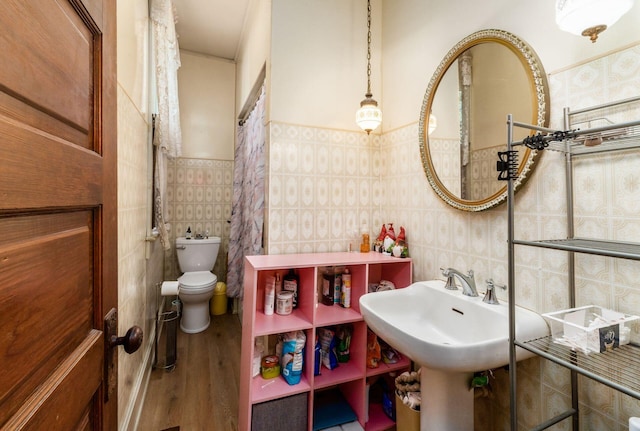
x=188 y=234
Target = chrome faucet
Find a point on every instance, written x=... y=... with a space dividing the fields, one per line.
x=467 y=281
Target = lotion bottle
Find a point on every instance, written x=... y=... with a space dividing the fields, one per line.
x=269 y=295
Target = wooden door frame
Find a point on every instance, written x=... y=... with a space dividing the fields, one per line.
x=108 y=238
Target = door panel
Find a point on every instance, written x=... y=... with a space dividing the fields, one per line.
x=43 y=272
x=58 y=215
x=44 y=70
x=72 y=384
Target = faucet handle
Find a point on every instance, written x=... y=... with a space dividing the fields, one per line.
x=451 y=283
x=490 y=296
x=491 y=284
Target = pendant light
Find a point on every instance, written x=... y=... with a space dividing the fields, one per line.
x=369 y=116
x=589 y=17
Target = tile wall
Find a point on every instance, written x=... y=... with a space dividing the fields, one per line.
x=607 y=206
x=199 y=193
x=324 y=187
x=136 y=283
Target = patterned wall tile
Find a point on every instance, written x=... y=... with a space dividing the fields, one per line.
x=321 y=190
x=199 y=196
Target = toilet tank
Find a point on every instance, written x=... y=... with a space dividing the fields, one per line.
x=197 y=254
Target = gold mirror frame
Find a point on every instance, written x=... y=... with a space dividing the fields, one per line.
x=540 y=97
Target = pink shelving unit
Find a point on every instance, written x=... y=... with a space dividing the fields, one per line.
x=311 y=314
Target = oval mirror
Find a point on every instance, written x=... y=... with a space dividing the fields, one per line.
x=484 y=77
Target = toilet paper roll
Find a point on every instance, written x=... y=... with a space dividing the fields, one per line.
x=169 y=288
x=634 y=424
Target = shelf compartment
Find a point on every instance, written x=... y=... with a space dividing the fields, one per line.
x=348 y=371
x=618 y=369
x=398 y=272
x=402 y=364
x=331 y=315
x=343 y=373
x=378 y=420
x=625 y=250
x=270 y=389
x=278 y=324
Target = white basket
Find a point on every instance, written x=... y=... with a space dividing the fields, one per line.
x=590 y=328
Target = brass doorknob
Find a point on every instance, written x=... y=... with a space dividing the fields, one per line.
x=131 y=341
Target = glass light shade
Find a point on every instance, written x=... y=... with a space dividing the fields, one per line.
x=433 y=123
x=579 y=16
x=369 y=116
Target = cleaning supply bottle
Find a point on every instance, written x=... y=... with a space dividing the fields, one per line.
x=337 y=287
x=291 y=282
x=328 y=280
x=345 y=301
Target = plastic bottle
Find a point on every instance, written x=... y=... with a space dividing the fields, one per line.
x=278 y=283
x=365 y=246
x=337 y=288
x=269 y=295
x=345 y=301
x=257 y=356
x=327 y=287
x=291 y=282
x=188 y=234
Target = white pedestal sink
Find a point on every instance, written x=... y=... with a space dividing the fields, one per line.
x=450 y=336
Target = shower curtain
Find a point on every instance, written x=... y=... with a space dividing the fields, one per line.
x=167 y=136
x=247 y=213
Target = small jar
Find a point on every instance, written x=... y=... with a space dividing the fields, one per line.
x=284 y=302
x=270 y=367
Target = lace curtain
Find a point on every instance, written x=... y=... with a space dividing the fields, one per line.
x=247 y=212
x=167 y=134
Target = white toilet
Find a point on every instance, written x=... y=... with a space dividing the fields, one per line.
x=196 y=258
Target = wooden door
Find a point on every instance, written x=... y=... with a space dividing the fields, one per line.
x=58 y=225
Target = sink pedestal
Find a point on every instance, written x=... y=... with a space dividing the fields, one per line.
x=447 y=402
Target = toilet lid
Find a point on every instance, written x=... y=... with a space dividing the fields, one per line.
x=197 y=280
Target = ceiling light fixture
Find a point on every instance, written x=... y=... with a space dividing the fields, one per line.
x=589 y=17
x=433 y=123
x=369 y=116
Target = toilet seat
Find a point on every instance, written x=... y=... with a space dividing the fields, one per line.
x=197 y=282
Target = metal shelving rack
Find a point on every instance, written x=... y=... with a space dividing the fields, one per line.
x=619 y=369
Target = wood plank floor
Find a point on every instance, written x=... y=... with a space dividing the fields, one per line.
x=201 y=393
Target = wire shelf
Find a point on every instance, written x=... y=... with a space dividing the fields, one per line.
x=619 y=369
x=625 y=250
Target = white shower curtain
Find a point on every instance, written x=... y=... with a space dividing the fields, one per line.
x=247 y=213
x=167 y=133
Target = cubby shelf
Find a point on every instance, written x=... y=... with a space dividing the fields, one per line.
x=311 y=314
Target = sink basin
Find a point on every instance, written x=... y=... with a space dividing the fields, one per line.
x=445 y=330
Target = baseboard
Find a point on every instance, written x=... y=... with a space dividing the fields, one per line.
x=132 y=412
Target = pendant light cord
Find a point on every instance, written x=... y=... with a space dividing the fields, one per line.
x=369 y=94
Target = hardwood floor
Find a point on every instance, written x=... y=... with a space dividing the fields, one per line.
x=201 y=393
